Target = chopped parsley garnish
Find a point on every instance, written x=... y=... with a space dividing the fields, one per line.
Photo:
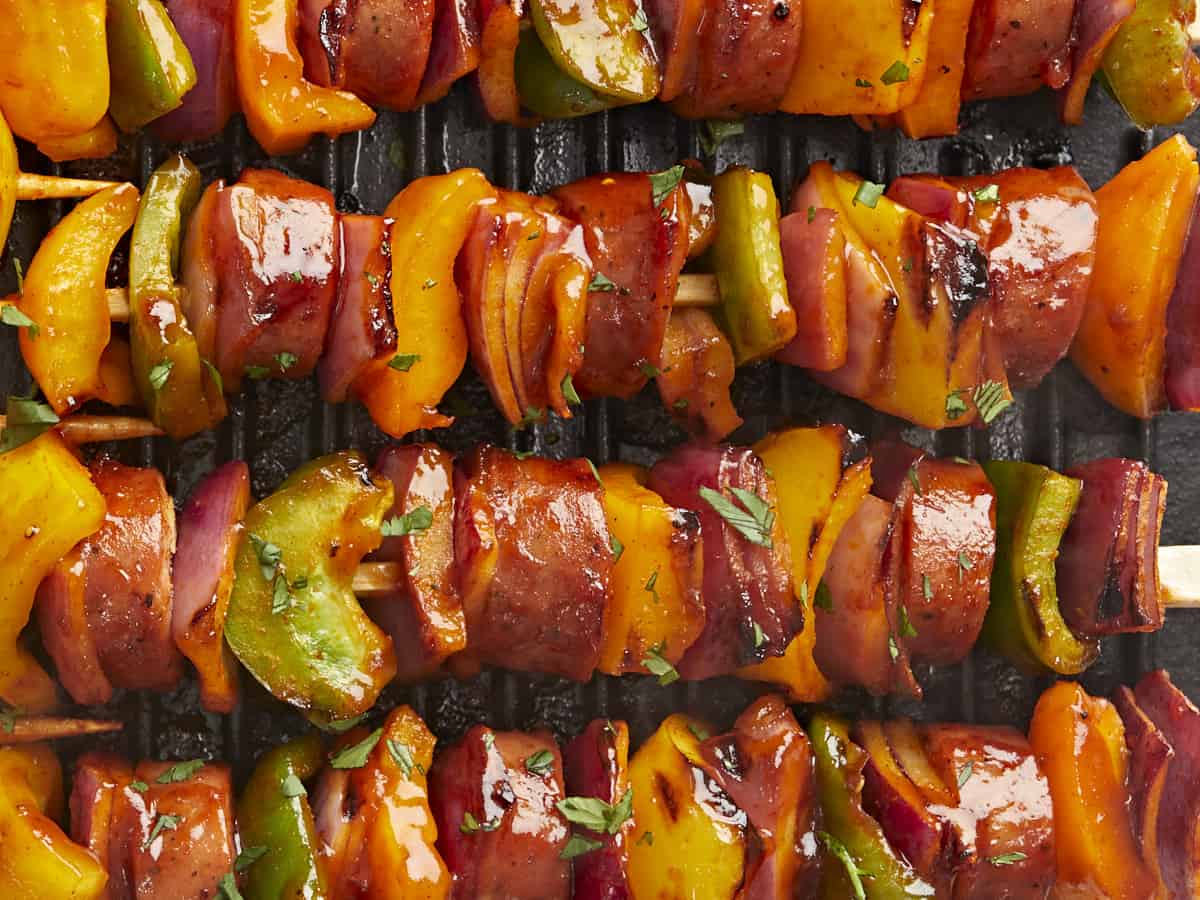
x=578 y=845
x=355 y=756
x=753 y=522
x=868 y=194
x=418 y=519
x=907 y=629
x=163 y=823
x=663 y=183
x=402 y=362
x=286 y=360
x=403 y=757
x=540 y=763
x=181 y=771
x=652 y=586
x=897 y=73
x=596 y=815
x=26 y=420
x=987 y=194
x=10 y=315
x=568 y=390
x=853 y=872
x=160 y=373
x=601 y=282
x=657 y=664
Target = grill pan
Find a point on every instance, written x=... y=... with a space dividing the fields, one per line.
x=276 y=425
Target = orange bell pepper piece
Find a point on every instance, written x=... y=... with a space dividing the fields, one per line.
x=1080 y=745
x=283 y=109
x=815 y=499
x=390 y=844
x=859 y=58
x=64 y=295
x=1145 y=212
x=97 y=142
x=54 y=68
x=656 y=580
x=934 y=112
x=8 y=179
x=431 y=218
x=37 y=860
x=50 y=504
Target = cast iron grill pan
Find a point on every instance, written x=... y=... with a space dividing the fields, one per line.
x=276 y=425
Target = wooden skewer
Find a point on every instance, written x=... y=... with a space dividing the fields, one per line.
x=52 y=187
x=29 y=729
x=98 y=429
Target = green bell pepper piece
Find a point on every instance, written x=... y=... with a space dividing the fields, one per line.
x=149 y=65
x=273 y=813
x=1034 y=506
x=293 y=619
x=754 y=311
x=1149 y=66
x=604 y=44
x=182 y=392
x=547 y=90
x=853 y=841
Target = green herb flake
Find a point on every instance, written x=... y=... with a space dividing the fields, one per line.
x=760 y=636
x=991 y=399
x=663 y=183
x=596 y=815
x=402 y=362
x=228 y=887
x=248 y=857
x=915 y=478
x=956 y=407
x=402 y=755
x=893 y=649
x=292 y=787
x=281 y=595
x=656 y=664
x=639 y=22
x=617 y=547
x=897 y=73
x=568 y=390
x=646 y=840
x=717 y=131
x=470 y=825
x=812 y=214
x=595 y=471
x=418 y=519
x=1007 y=859
x=257 y=373
x=286 y=360
x=355 y=756
x=296 y=277
x=11 y=315
x=578 y=845
x=533 y=415
x=652 y=586
x=964 y=565
x=428 y=284
x=907 y=629
x=26 y=420
x=863 y=83
x=160 y=373
x=680 y=405
x=649 y=370
x=601 y=282
x=269 y=556
x=964 y=774
x=540 y=763
x=987 y=194
x=181 y=771
x=754 y=522
x=839 y=851
x=214 y=374
x=803 y=595
x=868 y=194
x=163 y=823
x=927 y=587
x=19 y=269
x=372 y=279
x=139 y=786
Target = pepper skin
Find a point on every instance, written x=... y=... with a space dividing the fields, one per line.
x=656 y=580
x=293 y=866
x=8 y=179
x=1033 y=508
x=1097 y=853
x=386 y=850
x=1145 y=212
x=815 y=499
x=1150 y=66
x=54 y=68
x=689 y=839
x=190 y=399
x=296 y=624
x=97 y=142
x=38 y=861
x=151 y=66
x=284 y=111
x=748 y=262
x=50 y=504
x=845 y=50
x=848 y=828
x=64 y=295
x=431 y=219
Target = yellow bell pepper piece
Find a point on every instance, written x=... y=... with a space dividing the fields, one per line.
x=815 y=499
x=1145 y=212
x=854 y=58
x=934 y=112
x=283 y=109
x=656 y=581
x=64 y=295
x=8 y=179
x=696 y=847
x=54 y=68
x=38 y=861
x=97 y=142
x=50 y=504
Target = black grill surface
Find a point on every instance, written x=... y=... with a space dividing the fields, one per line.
x=276 y=425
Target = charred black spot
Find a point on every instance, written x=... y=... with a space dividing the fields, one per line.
x=667 y=792
x=781 y=10
x=956 y=270
x=908 y=18
x=1112 y=599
